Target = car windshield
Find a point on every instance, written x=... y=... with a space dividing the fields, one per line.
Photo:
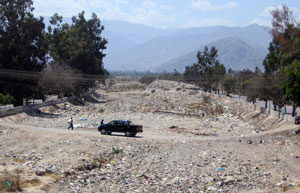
x=127 y=123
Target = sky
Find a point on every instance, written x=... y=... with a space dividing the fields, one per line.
x=171 y=13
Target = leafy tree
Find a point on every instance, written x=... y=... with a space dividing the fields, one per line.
x=292 y=83
x=22 y=47
x=272 y=77
x=175 y=75
x=254 y=88
x=272 y=61
x=257 y=71
x=245 y=75
x=219 y=72
x=79 y=46
x=284 y=29
x=6 y=99
x=230 y=84
x=207 y=72
x=286 y=37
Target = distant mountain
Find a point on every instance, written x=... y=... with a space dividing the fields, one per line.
x=160 y=50
x=137 y=47
x=253 y=34
x=135 y=32
x=233 y=53
x=155 y=52
x=117 y=44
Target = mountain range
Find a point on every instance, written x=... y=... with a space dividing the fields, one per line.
x=140 y=48
x=135 y=47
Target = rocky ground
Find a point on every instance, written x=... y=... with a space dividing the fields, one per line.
x=192 y=142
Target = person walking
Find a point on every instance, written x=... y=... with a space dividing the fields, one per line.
x=71 y=124
x=102 y=122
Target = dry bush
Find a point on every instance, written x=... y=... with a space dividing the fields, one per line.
x=147 y=79
x=206 y=98
x=101 y=110
x=134 y=86
x=10 y=182
x=110 y=82
x=116 y=151
x=31 y=183
x=219 y=109
x=46 y=188
x=55 y=177
x=59 y=79
x=145 y=94
x=87 y=165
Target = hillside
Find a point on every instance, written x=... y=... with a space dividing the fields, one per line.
x=159 y=51
x=233 y=53
x=142 y=48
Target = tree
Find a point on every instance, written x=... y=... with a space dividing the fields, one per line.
x=59 y=79
x=292 y=83
x=272 y=61
x=254 y=88
x=230 y=84
x=208 y=72
x=284 y=28
x=257 y=71
x=286 y=37
x=6 y=99
x=22 y=47
x=219 y=72
x=272 y=76
x=79 y=46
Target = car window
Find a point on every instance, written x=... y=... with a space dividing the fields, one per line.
x=113 y=123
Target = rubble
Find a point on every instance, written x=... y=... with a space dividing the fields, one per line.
x=189 y=144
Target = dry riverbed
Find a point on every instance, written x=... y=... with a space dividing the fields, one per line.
x=192 y=142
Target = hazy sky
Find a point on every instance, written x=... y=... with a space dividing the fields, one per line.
x=170 y=13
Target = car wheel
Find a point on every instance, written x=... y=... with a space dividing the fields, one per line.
x=109 y=132
x=133 y=135
x=127 y=134
x=103 y=131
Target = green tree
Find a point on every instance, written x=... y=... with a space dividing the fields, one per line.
x=208 y=71
x=6 y=99
x=219 y=72
x=254 y=88
x=291 y=85
x=22 y=47
x=272 y=77
x=286 y=37
x=230 y=84
x=79 y=46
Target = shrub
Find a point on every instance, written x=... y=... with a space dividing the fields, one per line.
x=206 y=99
x=10 y=182
x=6 y=99
x=147 y=79
x=219 y=109
x=101 y=110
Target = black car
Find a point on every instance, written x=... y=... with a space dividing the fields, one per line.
x=297 y=120
x=121 y=126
